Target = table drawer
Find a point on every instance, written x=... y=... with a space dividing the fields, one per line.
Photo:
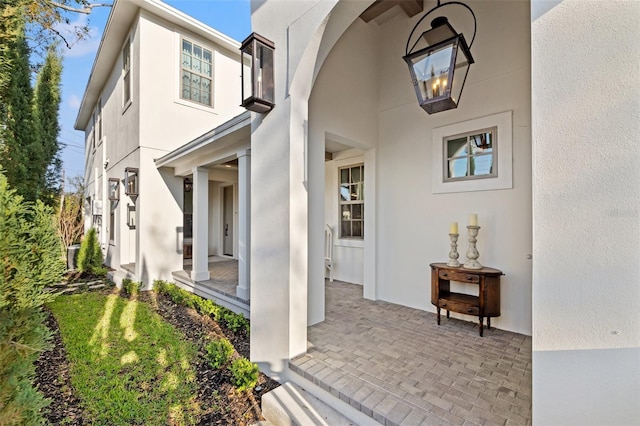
x=460 y=276
x=460 y=307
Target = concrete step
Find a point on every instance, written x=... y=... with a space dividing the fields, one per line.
x=290 y=405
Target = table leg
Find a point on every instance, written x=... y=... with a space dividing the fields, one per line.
x=438 y=315
x=447 y=314
x=481 y=327
x=489 y=323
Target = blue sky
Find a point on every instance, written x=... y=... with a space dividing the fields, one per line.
x=231 y=17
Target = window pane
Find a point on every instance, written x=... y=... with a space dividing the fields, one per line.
x=356 y=228
x=457 y=168
x=344 y=176
x=355 y=175
x=346 y=212
x=186 y=47
x=186 y=61
x=481 y=165
x=344 y=192
x=356 y=210
x=197 y=51
x=195 y=65
x=457 y=147
x=346 y=229
x=481 y=143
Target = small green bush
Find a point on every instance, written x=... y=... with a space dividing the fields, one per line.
x=130 y=287
x=245 y=373
x=219 y=352
x=235 y=322
x=90 y=255
x=100 y=271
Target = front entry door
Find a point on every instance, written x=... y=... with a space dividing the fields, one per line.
x=227 y=221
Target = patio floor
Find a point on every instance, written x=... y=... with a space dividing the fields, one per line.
x=396 y=365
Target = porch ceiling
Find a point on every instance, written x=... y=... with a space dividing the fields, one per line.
x=410 y=7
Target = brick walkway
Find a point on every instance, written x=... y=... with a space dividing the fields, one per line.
x=396 y=365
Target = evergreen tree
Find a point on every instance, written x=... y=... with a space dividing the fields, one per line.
x=46 y=107
x=21 y=153
x=29 y=261
x=90 y=256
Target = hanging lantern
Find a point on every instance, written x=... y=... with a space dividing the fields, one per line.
x=439 y=70
x=131 y=183
x=258 y=92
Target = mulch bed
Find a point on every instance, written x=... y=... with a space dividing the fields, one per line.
x=220 y=403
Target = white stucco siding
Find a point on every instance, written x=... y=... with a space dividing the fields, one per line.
x=167 y=120
x=160 y=220
x=586 y=297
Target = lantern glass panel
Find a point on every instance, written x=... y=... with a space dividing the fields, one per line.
x=263 y=72
x=460 y=74
x=431 y=70
x=246 y=74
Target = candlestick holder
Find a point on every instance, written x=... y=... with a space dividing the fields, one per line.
x=472 y=252
x=453 y=254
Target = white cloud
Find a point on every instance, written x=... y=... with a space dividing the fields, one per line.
x=74 y=102
x=79 y=47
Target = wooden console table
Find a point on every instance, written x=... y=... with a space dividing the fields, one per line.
x=486 y=304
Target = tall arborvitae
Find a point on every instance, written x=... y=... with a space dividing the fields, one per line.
x=21 y=150
x=46 y=106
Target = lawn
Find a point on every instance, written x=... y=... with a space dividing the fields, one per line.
x=128 y=366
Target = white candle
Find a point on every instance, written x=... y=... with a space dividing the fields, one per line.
x=453 y=228
x=473 y=219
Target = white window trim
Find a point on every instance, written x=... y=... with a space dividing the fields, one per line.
x=189 y=102
x=127 y=102
x=504 y=152
x=340 y=204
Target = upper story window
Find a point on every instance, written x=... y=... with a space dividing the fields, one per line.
x=126 y=72
x=471 y=155
x=352 y=202
x=98 y=121
x=196 y=73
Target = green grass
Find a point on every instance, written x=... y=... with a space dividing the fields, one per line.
x=128 y=366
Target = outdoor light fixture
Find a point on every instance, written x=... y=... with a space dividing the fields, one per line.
x=258 y=92
x=114 y=189
x=131 y=185
x=131 y=216
x=439 y=61
x=188 y=185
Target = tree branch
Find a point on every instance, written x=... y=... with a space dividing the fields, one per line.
x=86 y=10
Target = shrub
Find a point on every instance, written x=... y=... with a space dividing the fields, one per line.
x=235 y=322
x=90 y=255
x=130 y=287
x=161 y=286
x=100 y=271
x=245 y=373
x=219 y=352
x=30 y=260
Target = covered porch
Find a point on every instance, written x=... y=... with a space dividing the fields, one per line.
x=221 y=285
x=397 y=366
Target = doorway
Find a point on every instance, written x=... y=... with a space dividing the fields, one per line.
x=227 y=221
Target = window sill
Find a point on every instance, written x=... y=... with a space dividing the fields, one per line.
x=195 y=105
x=349 y=242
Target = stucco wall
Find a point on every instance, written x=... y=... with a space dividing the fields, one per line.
x=586 y=297
x=363 y=94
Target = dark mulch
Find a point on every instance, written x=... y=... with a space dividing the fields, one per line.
x=220 y=403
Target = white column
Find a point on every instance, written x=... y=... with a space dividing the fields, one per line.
x=200 y=271
x=244 y=224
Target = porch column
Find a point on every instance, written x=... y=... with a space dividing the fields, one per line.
x=244 y=224
x=200 y=271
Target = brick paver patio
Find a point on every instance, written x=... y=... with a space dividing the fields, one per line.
x=396 y=365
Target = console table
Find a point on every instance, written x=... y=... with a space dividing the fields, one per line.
x=486 y=304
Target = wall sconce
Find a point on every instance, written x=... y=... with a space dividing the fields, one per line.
x=439 y=70
x=114 y=189
x=188 y=185
x=131 y=216
x=131 y=184
x=258 y=92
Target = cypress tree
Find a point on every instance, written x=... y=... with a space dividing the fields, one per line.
x=46 y=107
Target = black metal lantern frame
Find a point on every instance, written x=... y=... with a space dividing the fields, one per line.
x=258 y=92
x=439 y=71
x=131 y=182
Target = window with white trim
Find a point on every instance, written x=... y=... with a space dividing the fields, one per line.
x=99 y=120
x=196 y=69
x=126 y=73
x=351 y=197
x=471 y=155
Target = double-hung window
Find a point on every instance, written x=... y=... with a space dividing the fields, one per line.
x=471 y=155
x=196 y=69
x=352 y=202
x=126 y=72
x=99 y=121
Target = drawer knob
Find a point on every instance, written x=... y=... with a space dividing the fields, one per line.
x=444 y=304
x=469 y=310
x=444 y=274
x=469 y=277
